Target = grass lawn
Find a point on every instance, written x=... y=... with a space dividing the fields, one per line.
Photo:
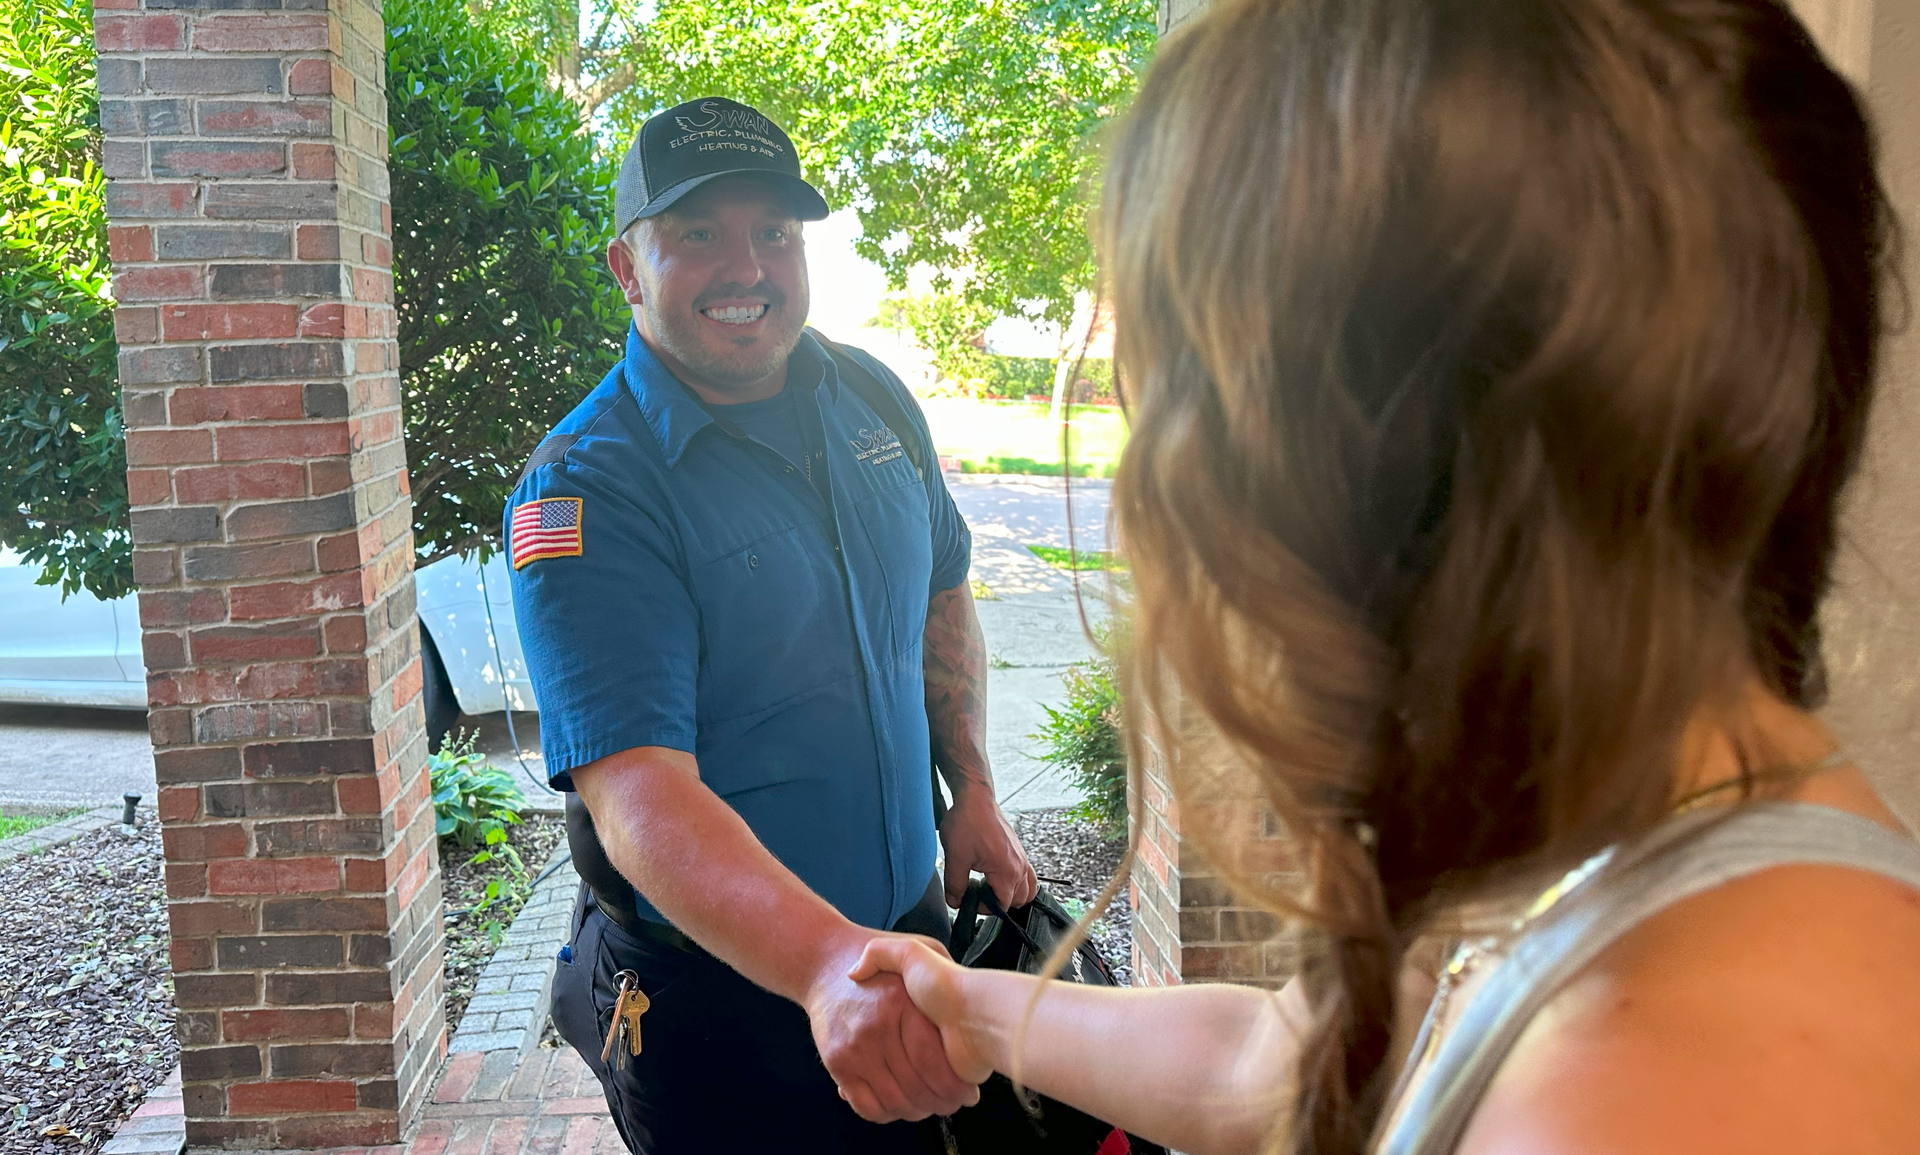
x=1080 y=559
x=12 y=824
x=1016 y=437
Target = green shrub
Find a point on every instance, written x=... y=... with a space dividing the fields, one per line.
x=501 y=218
x=473 y=803
x=63 y=469
x=1083 y=738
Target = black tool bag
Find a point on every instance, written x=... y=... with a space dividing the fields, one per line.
x=1000 y=1124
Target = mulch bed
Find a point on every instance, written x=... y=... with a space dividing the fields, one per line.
x=86 y=996
x=472 y=933
x=1079 y=854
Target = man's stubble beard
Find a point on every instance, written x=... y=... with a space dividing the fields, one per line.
x=751 y=360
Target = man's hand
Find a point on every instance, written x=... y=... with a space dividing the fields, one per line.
x=977 y=836
x=887 y=1058
x=934 y=981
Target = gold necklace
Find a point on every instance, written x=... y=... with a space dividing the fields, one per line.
x=1471 y=952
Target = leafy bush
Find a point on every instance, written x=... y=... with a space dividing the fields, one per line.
x=473 y=803
x=63 y=471
x=1083 y=738
x=506 y=313
x=501 y=214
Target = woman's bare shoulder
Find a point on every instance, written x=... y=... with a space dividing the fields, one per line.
x=1778 y=1013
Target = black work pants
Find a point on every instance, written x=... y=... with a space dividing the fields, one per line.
x=726 y=1066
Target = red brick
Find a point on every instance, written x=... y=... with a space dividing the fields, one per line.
x=248 y=443
x=144 y=33
x=317 y=242
x=179 y=803
x=324 y=320
x=406 y=687
x=186 y=879
x=377 y=251
x=365 y=875
x=372 y=285
x=159 y=283
x=132 y=200
x=136 y=326
x=276 y=33
x=254 y=643
x=346 y=634
x=199 y=322
x=243 y=482
x=338 y=553
x=168 y=727
x=153 y=567
x=148 y=486
x=290 y=1023
x=313 y=161
x=127 y=244
x=272 y=118
x=294 y=599
x=244 y=722
x=204 y=919
x=310 y=77
x=190 y=954
x=365 y=1129
x=373 y=1021
x=287 y=1096
x=208 y=841
x=191 y=687
x=272 y=680
x=239 y=403
x=273 y=876
x=329 y=476
x=162 y=608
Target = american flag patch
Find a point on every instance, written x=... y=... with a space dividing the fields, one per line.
x=549 y=527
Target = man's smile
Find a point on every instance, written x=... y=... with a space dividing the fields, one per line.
x=742 y=314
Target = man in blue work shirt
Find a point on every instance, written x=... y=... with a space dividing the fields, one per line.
x=748 y=620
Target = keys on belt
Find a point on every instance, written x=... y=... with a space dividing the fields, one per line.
x=623 y=1034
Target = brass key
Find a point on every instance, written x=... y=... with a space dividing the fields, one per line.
x=637 y=1004
x=624 y=1019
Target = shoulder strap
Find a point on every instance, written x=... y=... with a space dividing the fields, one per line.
x=1684 y=857
x=880 y=397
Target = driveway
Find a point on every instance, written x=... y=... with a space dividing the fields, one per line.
x=57 y=757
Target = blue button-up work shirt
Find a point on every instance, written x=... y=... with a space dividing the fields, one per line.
x=718 y=605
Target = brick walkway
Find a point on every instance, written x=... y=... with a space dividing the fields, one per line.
x=497 y=1103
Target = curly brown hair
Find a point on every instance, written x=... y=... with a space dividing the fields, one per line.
x=1494 y=369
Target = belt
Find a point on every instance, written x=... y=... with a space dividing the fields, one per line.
x=646 y=928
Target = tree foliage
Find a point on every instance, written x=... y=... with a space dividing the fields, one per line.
x=961 y=131
x=507 y=312
x=63 y=481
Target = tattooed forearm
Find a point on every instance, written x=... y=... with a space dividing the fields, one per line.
x=954 y=658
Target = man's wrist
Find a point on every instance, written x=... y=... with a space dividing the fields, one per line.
x=830 y=956
x=970 y=787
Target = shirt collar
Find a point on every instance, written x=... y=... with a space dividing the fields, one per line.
x=670 y=409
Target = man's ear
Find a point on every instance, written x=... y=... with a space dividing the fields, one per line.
x=625 y=269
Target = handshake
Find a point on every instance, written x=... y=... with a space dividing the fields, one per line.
x=892 y=1031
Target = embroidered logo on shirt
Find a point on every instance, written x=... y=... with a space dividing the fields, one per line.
x=876 y=446
x=549 y=527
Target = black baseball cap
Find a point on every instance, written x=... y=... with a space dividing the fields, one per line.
x=690 y=144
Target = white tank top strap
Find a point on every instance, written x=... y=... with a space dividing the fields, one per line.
x=1684 y=856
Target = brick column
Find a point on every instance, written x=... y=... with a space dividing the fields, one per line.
x=246 y=152
x=1188 y=924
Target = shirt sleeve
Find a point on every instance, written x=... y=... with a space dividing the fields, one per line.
x=611 y=634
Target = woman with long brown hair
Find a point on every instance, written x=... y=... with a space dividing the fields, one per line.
x=1495 y=368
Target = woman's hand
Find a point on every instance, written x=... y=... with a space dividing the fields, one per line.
x=936 y=985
